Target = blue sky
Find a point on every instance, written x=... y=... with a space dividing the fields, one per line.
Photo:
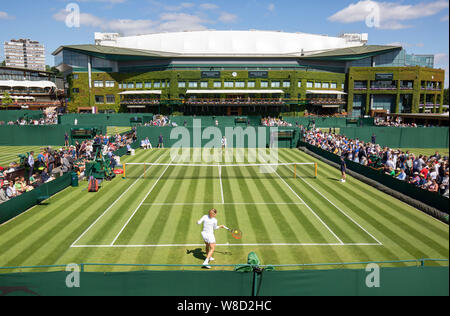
x=421 y=27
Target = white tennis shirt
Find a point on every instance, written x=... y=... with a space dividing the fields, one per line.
x=209 y=224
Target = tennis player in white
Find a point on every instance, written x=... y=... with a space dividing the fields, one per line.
x=209 y=226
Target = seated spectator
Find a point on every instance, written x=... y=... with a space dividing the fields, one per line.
x=434 y=187
x=44 y=176
x=402 y=175
x=3 y=196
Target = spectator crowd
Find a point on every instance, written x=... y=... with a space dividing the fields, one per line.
x=33 y=171
x=274 y=122
x=427 y=172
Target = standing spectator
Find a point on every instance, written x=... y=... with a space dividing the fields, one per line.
x=374 y=138
x=161 y=141
x=343 y=169
x=31 y=164
x=66 y=139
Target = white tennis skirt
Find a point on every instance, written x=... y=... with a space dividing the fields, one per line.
x=209 y=238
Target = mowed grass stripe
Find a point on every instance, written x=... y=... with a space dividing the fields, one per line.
x=377 y=215
x=104 y=231
x=405 y=217
x=46 y=227
x=341 y=225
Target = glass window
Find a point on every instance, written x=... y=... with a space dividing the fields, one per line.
x=251 y=84
x=240 y=84
x=204 y=84
x=163 y=84
x=130 y=85
x=99 y=99
x=139 y=85
x=110 y=84
x=325 y=85
x=275 y=84
x=286 y=84
x=76 y=90
x=217 y=84
x=181 y=84
x=157 y=84
x=299 y=84
x=193 y=84
x=264 y=84
x=333 y=85
x=75 y=76
x=309 y=84
x=317 y=84
x=110 y=99
x=98 y=84
x=148 y=84
x=228 y=84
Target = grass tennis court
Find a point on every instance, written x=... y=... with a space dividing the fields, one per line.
x=285 y=220
x=9 y=154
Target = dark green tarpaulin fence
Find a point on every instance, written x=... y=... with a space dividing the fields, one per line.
x=18 y=205
x=415 y=281
x=237 y=137
x=395 y=137
x=14 y=115
x=115 y=119
x=52 y=135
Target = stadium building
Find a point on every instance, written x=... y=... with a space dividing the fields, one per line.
x=248 y=72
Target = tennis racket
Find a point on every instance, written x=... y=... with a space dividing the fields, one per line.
x=236 y=233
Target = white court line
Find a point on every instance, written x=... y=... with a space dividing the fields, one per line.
x=221 y=186
x=222 y=245
x=317 y=216
x=341 y=211
x=228 y=203
x=110 y=207
x=140 y=204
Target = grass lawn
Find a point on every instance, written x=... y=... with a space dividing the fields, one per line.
x=285 y=220
x=9 y=154
x=427 y=151
x=113 y=130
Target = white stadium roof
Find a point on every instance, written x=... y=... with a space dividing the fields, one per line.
x=232 y=43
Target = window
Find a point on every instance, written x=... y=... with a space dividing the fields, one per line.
x=163 y=84
x=309 y=84
x=228 y=84
x=317 y=85
x=264 y=84
x=275 y=84
x=333 y=85
x=193 y=84
x=251 y=84
x=76 y=90
x=286 y=84
x=181 y=84
x=204 y=84
x=130 y=85
x=75 y=76
x=240 y=84
x=99 y=99
x=325 y=85
x=98 y=84
x=110 y=84
x=148 y=84
x=217 y=84
x=139 y=85
x=110 y=99
x=299 y=84
x=157 y=84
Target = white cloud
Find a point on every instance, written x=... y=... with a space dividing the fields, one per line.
x=5 y=16
x=182 y=6
x=444 y=18
x=441 y=61
x=389 y=14
x=208 y=6
x=167 y=22
x=271 y=7
x=227 y=17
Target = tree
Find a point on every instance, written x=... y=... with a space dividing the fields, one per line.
x=3 y=64
x=53 y=70
x=6 y=101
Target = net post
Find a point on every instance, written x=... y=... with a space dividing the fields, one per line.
x=124 y=171
x=315 y=170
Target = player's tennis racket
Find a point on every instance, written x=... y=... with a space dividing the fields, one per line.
x=236 y=233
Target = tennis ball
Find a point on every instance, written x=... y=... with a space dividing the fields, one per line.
x=236 y=232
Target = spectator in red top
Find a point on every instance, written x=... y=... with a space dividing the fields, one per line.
x=424 y=171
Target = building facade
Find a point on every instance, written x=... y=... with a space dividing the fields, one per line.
x=254 y=72
x=31 y=89
x=25 y=53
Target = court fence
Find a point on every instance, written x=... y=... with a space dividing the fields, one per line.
x=420 y=279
